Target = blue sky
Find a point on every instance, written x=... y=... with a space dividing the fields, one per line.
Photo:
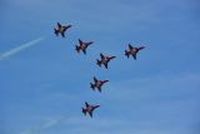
x=43 y=87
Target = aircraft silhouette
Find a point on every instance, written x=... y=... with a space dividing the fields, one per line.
x=104 y=60
x=89 y=109
x=98 y=84
x=61 y=29
x=83 y=46
x=133 y=51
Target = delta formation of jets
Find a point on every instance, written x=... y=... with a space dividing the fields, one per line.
x=104 y=60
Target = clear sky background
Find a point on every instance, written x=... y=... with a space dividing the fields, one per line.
x=43 y=87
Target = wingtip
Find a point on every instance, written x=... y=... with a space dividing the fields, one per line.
x=142 y=47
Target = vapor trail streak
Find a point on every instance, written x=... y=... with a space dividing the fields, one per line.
x=20 y=48
x=43 y=127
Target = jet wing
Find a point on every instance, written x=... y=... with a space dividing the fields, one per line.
x=91 y=114
x=84 y=51
x=89 y=43
x=106 y=65
x=105 y=81
x=140 y=48
x=112 y=57
x=63 y=34
x=134 y=56
x=67 y=27
x=99 y=88
x=96 y=106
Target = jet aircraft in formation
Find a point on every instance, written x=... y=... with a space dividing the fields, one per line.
x=133 y=51
x=104 y=60
x=83 y=46
x=89 y=109
x=98 y=84
x=61 y=29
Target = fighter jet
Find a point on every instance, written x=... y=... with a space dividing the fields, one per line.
x=83 y=46
x=89 y=109
x=104 y=60
x=98 y=84
x=61 y=29
x=133 y=51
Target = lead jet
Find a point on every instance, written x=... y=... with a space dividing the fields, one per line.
x=89 y=109
x=98 y=84
x=104 y=60
x=133 y=51
x=83 y=46
x=61 y=29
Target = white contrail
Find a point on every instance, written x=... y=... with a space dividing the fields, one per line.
x=49 y=124
x=20 y=48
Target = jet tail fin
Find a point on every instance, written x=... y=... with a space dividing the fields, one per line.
x=77 y=49
x=84 y=111
x=56 y=31
x=126 y=54
x=98 y=62
x=92 y=86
